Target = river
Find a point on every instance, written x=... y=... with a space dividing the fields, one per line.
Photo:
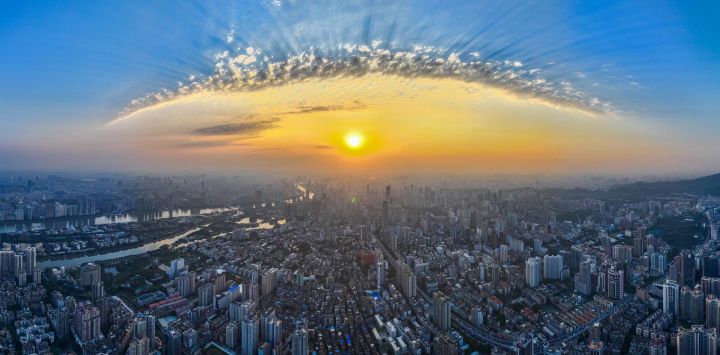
x=75 y=261
x=117 y=254
x=75 y=222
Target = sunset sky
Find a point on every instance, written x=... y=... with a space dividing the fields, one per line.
x=361 y=87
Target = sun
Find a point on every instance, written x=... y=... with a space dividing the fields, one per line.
x=354 y=140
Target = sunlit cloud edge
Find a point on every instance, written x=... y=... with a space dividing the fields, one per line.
x=249 y=70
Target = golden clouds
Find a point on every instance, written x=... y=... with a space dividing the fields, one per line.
x=399 y=124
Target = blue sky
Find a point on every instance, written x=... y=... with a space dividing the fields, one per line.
x=81 y=62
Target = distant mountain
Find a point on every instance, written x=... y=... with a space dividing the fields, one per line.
x=640 y=191
x=705 y=185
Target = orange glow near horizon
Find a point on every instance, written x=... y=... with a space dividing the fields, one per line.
x=380 y=123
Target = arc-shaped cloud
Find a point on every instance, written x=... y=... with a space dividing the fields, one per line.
x=250 y=70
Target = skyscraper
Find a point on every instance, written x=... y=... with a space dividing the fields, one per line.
x=138 y=346
x=385 y=214
x=139 y=326
x=407 y=280
x=532 y=272
x=150 y=319
x=186 y=284
x=89 y=274
x=445 y=344
x=692 y=305
x=616 y=283
x=97 y=291
x=712 y=312
x=172 y=342
x=671 y=297
x=300 y=342
x=61 y=319
x=268 y=281
x=176 y=267
x=250 y=334
x=220 y=284
x=87 y=322
x=583 y=279
x=29 y=258
x=206 y=295
x=638 y=242
x=442 y=315
x=380 y=270
x=552 y=267
x=231 y=335
x=687 y=269
x=697 y=341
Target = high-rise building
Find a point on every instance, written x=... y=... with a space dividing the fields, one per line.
x=583 y=279
x=692 y=305
x=270 y=329
x=220 y=283
x=37 y=276
x=476 y=316
x=268 y=281
x=671 y=297
x=190 y=341
x=250 y=334
x=552 y=267
x=97 y=291
x=139 y=326
x=253 y=293
x=231 y=335
x=177 y=266
x=711 y=285
x=712 y=312
x=532 y=272
x=687 y=269
x=206 y=295
x=300 y=342
x=616 y=283
x=639 y=243
x=658 y=262
x=186 y=284
x=138 y=346
x=172 y=342
x=446 y=344
x=696 y=341
x=657 y=346
x=407 y=280
x=710 y=266
x=29 y=258
x=61 y=319
x=380 y=270
x=87 y=322
x=385 y=214
x=442 y=316
x=150 y=319
x=90 y=274
x=9 y=262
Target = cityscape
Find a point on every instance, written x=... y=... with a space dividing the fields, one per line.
x=359 y=177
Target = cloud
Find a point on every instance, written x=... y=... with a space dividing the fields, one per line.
x=236 y=129
x=206 y=144
x=230 y=36
x=324 y=108
x=249 y=69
